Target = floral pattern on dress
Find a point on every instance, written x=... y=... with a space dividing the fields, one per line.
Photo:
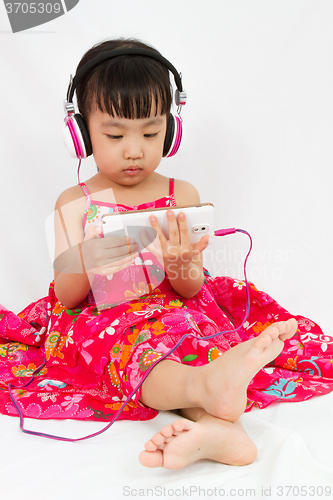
x=87 y=361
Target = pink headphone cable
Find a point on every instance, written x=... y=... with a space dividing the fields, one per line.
x=78 y=171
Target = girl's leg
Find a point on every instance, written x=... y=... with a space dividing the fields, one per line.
x=211 y=397
x=169 y=386
x=200 y=437
x=220 y=386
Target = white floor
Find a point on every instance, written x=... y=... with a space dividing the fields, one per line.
x=294 y=440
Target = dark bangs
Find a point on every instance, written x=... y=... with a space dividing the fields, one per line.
x=129 y=86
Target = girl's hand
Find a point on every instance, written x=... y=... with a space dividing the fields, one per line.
x=108 y=255
x=178 y=249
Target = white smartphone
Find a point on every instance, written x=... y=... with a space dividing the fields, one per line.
x=200 y=221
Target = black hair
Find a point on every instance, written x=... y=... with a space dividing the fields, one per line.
x=127 y=86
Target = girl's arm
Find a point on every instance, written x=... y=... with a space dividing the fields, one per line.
x=79 y=257
x=182 y=261
x=71 y=281
x=186 y=194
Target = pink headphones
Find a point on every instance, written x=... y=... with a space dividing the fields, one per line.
x=76 y=135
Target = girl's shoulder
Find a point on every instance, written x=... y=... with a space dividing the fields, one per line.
x=73 y=194
x=185 y=193
x=70 y=207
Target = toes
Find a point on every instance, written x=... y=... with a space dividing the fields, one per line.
x=167 y=431
x=290 y=330
x=266 y=339
x=281 y=326
x=151 y=459
x=278 y=329
x=272 y=335
x=292 y=325
x=158 y=439
x=281 y=329
x=166 y=434
x=153 y=456
x=150 y=445
x=183 y=425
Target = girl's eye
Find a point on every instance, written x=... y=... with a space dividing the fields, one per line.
x=115 y=137
x=151 y=135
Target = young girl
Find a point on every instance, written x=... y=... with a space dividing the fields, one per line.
x=113 y=311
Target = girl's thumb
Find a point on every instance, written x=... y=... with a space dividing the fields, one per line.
x=93 y=232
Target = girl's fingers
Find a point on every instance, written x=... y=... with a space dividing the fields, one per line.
x=144 y=238
x=116 y=242
x=201 y=245
x=183 y=230
x=116 y=248
x=174 y=237
x=92 y=232
x=179 y=242
x=115 y=266
x=155 y=225
x=119 y=259
x=153 y=247
x=188 y=251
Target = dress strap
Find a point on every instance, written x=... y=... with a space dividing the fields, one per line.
x=87 y=194
x=171 y=186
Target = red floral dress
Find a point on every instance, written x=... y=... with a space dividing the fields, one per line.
x=98 y=353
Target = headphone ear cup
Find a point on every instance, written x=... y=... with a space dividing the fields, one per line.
x=76 y=137
x=173 y=136
x=84 y=133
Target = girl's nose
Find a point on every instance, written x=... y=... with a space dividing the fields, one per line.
x=133 y=150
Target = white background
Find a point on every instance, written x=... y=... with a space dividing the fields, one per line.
x=258 y=134
x=258 y=144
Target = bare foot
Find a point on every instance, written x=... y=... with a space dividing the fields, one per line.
x=222 y=391
x=184 y=442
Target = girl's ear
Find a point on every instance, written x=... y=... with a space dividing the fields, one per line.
x=173 y=136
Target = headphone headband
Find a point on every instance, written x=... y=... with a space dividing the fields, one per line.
x=75 y=132
x=110 y=54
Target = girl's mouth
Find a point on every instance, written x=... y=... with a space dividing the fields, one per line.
x=132 y=170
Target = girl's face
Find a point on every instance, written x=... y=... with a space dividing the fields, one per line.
x=127 y=151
